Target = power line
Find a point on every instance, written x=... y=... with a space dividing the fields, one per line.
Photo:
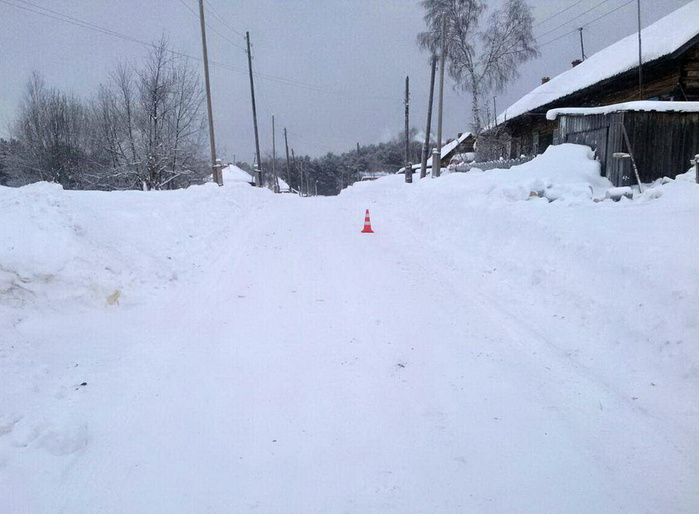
x=221 y=19
x=212 y=28
x=588 y=23
x=559 y=13
x=607 y=14
x=573 y=19
x=44 y=11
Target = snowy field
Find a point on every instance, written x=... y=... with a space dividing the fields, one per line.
x=503 y=343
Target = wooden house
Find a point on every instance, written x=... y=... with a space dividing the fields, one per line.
x=463 y=144
x=670 y=73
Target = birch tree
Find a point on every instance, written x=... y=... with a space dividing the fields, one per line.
x=480 y=60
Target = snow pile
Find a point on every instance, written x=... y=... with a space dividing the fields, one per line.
x=564 y=172
x=568 y=173
x=62 y=248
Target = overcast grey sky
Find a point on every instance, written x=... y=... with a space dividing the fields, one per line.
x=334 y=71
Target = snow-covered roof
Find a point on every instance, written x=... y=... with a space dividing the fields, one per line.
x=645 y=106
x=662 y=38
x=456 y=142
x=283 y=186
x=232 y=173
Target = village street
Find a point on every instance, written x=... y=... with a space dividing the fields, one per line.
x=314 y=368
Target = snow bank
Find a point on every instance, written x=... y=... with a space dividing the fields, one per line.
x=66 y=248
x=567 y=173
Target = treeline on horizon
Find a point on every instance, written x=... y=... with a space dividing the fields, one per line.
x=333 y=172
x=145 y=129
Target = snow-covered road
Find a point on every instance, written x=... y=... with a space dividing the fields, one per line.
x=305 y=367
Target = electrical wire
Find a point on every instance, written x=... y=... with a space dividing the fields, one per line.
x=222 y=20
x=43 y=11
x=588 y=23
x=573 y=19
x=213 y=29
x=558 y=13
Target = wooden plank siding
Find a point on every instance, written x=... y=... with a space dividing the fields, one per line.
x=662 y=142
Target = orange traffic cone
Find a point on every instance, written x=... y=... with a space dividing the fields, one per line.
x=367 y=224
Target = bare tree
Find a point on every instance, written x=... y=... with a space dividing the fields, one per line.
x=52 y=132
x=480 y=60
x=151 y=123
x=184 y=128
x=143 y=130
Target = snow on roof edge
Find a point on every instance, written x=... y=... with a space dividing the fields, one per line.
x=643 y=106
x=453 y=144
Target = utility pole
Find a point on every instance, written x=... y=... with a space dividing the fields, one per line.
x=288 y=167
x=274 y=157
x=408 y=164
x=495 y=111
x=307 y=174
x=437 y=162
x=293 y=160
x=640 y=54
x=216 y=168
x=582 y=45
x=259 y=177
x=426 y=144
x=304 y=180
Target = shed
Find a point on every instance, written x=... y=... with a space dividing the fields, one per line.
x=663 y=136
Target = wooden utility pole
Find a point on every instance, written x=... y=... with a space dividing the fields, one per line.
x=437 y=166
x=288 y=167
x=274 y=157
x=304 y=186
x=216 y=169
x=426 y=144
x=640 y=54
x=259 y=178
x=293 y=160
x=582 y=45
x=408 y=164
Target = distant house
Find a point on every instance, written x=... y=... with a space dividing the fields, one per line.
x=462 y=145
x=453 y=149
x=233 y=173
x=670 y=73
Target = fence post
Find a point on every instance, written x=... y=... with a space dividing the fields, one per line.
x=696 y=168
